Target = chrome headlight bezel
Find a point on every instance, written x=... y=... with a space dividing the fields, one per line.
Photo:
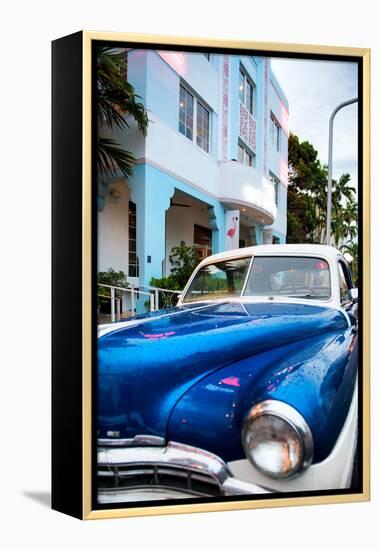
x=295 y=421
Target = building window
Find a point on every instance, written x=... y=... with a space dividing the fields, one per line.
x=133 y=270
x=246 y=91
x=275 y=132
x=245 y=156
x=190 y=109
x=186 y=113
x=242 y=86
x=275 y=181
x=202 y=131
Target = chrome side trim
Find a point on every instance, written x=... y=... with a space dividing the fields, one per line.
x=136 y=441
x=293 y=417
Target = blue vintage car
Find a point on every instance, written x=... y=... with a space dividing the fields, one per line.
x=247 y=386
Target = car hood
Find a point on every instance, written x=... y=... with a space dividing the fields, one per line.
x=145 y=367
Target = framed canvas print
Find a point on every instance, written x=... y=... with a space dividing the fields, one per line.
x=210 y=275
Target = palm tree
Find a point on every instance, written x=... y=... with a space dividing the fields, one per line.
x=342 y=189
x=344 y=210
x=352 y=248
x=116 y=104
x=351 y=219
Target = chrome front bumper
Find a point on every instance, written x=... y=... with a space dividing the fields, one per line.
x=174 y=471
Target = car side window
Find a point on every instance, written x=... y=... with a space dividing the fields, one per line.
x=344 y=283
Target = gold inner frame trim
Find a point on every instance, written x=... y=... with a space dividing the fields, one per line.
x=88 y=513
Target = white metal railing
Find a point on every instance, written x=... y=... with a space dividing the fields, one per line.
x=115 y=302
x=152 y=293
x=157 y=290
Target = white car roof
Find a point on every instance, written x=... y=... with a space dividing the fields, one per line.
x=328 y=252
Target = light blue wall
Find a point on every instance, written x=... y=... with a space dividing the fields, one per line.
x=137 y=72
x=259 y=233
x=157 y=82
x=280 y=236
x=280 y=224
x=214 y=134
x=152 y=194
x=278 y=88
x=151 y=190
x=163 y=85
x=159 y=86
x=281 y=219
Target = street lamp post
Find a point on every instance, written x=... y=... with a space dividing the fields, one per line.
x=330 y=167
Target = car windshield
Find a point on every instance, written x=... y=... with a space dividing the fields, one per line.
x=293 y=277
x=219 y=280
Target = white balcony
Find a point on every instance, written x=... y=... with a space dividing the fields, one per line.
x=245 y=188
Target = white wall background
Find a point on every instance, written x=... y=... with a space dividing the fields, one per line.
x=27 y=28
x=113 y=222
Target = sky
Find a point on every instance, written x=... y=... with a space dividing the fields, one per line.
x=313 y=90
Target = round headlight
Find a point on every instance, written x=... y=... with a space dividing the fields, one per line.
x=277 y=440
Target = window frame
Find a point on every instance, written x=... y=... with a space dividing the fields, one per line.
x=132 y=212
x=246 y=152
x=196 y=100
x=275 y=133
x=184 y=108
x=247 y=82
x=276 y=182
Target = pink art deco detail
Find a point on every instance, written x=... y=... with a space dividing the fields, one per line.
x=248 y=128
x=225 y=107
x=265 y=137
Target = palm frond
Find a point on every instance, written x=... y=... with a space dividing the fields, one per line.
x=116 y=98
x=117 y=104
x=111 y=158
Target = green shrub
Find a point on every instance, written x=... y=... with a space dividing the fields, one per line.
x=183 y=260
x=113 y=278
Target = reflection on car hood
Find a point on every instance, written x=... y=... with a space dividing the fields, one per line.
x=144 y=368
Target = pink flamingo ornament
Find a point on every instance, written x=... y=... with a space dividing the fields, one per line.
x=230 y=233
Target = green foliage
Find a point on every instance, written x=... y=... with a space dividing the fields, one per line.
x=165 y=299
x=351 y=247
x=110 y=157
x=113 y=278
x=307 y=198
x=117 y=104
x=183 y=260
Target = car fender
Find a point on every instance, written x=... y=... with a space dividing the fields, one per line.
x=313 y=375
